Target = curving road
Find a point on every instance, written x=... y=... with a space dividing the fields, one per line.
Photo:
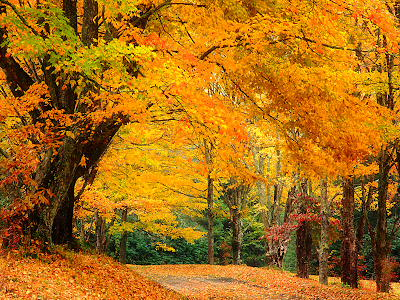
x=207 y=287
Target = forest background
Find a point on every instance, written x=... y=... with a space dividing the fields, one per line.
x=133 y=126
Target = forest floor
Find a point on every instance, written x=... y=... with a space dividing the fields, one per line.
x=202 y=282
x=68 y=275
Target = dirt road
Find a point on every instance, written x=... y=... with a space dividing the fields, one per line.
x=207 y=287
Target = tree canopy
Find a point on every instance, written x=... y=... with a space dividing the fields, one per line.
x=157 y=106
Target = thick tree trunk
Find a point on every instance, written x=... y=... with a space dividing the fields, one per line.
x=62 y=225
x=303 y=240
x=324 y=242
x=237 y=232
x=100 y=231
x=303 y=249
x=348 y=251
x=124 y=238
x=58 y=175
x=235 y=199
x=60 y=167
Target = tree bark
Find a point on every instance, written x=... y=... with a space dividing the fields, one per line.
x=124 y=238
x=348 y=251
x=303 y=240
x=366 y=203
x=260 y=185
x=62 y=225
x=382 y=242
x=324 y=242
x=59 y=168
x=210 y=219
x=235 y=199
x=277 y=248
x=237 y=232
x=303 y=249
x=100 y=234
x=210 y=205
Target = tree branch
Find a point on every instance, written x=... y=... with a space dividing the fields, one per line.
x=182 y=193
x=156 y=9
x=13 y=7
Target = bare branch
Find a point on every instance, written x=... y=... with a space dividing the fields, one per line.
x=182 y=193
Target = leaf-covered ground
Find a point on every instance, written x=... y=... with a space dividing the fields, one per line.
x=242 y=282
x=68 y=275
x=74 y=276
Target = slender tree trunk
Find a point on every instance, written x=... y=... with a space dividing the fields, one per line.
x=348 y=251
x=124 y=238
x=210 y=218
x=278 y=188
x=210 y=203
x=324 y=243
x=382 y=242
x=366 y=203
x=261 y=187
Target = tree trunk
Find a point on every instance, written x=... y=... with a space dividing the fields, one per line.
x=210 y=204
x=124 y=238
x=278 y=188
x=303 y=240
x=60 y=167
x=382 y=242
x=234 y=198
x=237 y=232
x=210 y=219
x=348 y=251
x=62 y=225
x=261 y=187
x=278 y=247
x=324 y=243
x=303 y=249
x=366 y=203
x=100 y=234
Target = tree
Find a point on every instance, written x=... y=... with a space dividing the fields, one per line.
x=142 y=176
x=72 y=97
x=323 y=251
x=303 y=233
x=235 y=198
x=77 y=85
x=348 y=250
